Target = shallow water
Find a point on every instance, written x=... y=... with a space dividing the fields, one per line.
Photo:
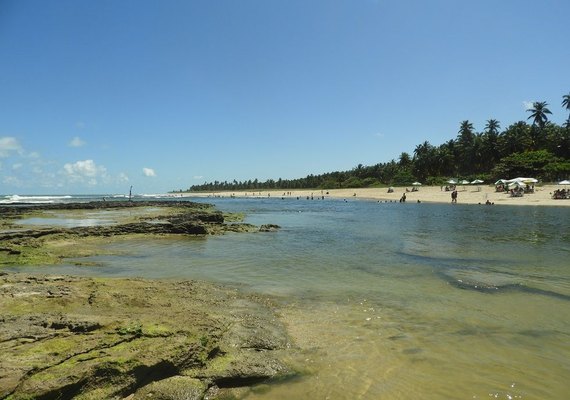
x=393 y=301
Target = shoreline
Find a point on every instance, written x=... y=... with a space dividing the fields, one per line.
x=467 y=194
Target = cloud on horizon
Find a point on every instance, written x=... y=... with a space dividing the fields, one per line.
x=85 y=171
x=149 y=172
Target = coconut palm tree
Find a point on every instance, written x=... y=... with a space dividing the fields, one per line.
x=492 y=127
x=566 y=104
x=489 y=142
x=538 y=113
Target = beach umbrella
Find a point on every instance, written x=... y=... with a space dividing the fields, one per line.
x=416 y=184
x=452 y=182
x=564 y=182
x=516 y=184
x=501 y=181
x=463 y=183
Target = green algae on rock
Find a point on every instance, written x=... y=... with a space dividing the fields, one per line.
x=86 y=338
x=49 y=244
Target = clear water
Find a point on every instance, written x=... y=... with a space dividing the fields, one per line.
x=393 y=301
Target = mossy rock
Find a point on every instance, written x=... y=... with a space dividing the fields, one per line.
x=173 y=388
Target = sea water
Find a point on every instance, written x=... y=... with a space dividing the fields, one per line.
x=389 y=300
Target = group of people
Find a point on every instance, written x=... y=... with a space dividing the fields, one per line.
x=561 y=194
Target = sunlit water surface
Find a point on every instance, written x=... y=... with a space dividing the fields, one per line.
x=392 y=301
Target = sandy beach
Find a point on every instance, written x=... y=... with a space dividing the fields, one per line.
x=468 y=194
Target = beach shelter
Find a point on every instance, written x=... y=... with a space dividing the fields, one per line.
x=416 y=184
x=452 y=182
x=463 y=183
x=500 y=182
x=564 y=182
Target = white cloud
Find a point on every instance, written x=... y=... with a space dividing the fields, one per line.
x=76 y=142
x=80 y=125
x=123 y=177
x=149 y=172
x=84 y=171
x=527 y=105
x=379 y=134
x=9 y=144
x=17 y=166
x=198 y=177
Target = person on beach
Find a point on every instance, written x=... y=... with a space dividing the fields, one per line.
x=454 y=196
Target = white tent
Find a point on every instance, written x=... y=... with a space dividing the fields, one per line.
x=523 y=180
x=476 y=182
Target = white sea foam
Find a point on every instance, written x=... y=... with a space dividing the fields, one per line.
x=13 y=199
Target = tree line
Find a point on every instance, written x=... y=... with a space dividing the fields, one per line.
x=537 y=148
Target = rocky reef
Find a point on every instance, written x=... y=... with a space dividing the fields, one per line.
x=20 y=245
x=64 y=337
x=84 y=338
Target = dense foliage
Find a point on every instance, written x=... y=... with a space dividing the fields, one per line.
x=540 y=149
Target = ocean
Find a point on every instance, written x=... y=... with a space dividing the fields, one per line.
x=389 y=300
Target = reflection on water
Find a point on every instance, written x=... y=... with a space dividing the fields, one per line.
x=65 y=222
x=393 y=301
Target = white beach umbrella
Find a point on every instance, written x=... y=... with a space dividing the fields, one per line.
x=452 y=182
x=564 y=182
x=501 y=181
x=516 y=184
x=463 y=183
x=416 y=184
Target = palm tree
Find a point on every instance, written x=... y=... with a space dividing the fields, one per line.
x=492 y=127
x=538 y=113
x=489 y=143
x=465 y=141
x=566 y=104
x=405 y=159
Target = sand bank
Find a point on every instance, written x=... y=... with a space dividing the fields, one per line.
x=468 y=194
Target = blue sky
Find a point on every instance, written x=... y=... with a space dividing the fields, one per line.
x=96 y=96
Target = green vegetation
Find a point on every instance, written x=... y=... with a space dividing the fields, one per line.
x=540 y=150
